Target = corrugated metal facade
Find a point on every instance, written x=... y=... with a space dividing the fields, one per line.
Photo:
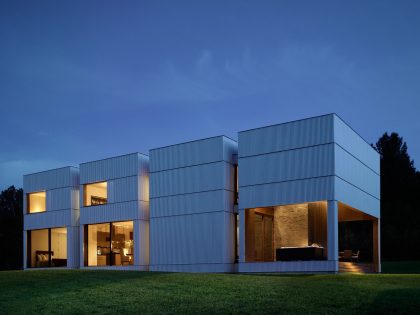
x=191 y=186
x=191 y=204
x=127 y=178
x=62 y=206
x=309 y=160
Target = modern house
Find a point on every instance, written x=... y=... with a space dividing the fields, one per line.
x=281 y=199
x=51 y=219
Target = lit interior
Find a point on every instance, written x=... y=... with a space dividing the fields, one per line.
x=36 y=202
x=41 y=256
x=95 y=194
x=104 y=251
x=289 y=232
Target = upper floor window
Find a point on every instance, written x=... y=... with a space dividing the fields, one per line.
x=36 y=202
x=95 y=194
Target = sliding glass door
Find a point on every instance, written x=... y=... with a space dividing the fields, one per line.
x=47 y=248
x=109 y=244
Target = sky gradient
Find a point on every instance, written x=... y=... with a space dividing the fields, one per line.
x=85 y=80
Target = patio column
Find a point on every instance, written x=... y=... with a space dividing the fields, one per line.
x=377 y=245
x=332 y=223
x=241 y=235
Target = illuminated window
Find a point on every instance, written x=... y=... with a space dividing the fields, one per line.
x=95 y=194
x=36 y=202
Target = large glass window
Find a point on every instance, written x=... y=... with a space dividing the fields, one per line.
x=36 y=202
x=47 y=248
x=109 y=244
x=284 y=233
x=95 y=194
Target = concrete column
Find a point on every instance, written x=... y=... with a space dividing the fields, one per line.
x=332 y=223
x=141 y=242
x=377 y=245
x=241 y=235
x=81 y=246
x=25 y=251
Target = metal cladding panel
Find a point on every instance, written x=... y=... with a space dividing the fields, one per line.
x=112 y=168
x=284 y=193
x=124 y=211
x=123 y=189
x=349 y=140
x=62 y=198
x=350 y=169
x=230 y=148
x=187 y=154
x=356 y=198
x=73 y=247
x=208 y=268
x=288 y=165
x=287 y=136
x=141 y=242
x=290 y=266
x=50 y=219
x=192 y=239
x=205 y=177
x=52 y=179
x=209 y=201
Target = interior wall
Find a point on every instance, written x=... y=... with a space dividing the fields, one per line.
x=291 y=226
x=317 y=223
x=37 y=202
x=92 y=245
x=39 y=241
x=97 y=189
x=59 y=242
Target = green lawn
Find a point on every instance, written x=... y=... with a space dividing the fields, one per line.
x=80 y=291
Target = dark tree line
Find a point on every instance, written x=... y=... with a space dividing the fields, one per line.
x=11 y=228
x=400 y=208
x=400 y=200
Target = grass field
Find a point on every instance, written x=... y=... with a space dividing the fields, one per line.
x=81 y=291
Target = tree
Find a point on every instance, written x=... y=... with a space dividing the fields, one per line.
x=400 y=191
x=11 y=228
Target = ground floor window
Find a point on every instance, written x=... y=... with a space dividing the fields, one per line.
x=109 y=244
x=47 y=248
x=286 y=233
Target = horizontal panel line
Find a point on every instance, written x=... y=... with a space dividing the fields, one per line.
x=111 y=203
x=193 y=165
x=107 y=179
x=50 y=189
x=189 y=214
x=190 y=193
x=358 y=159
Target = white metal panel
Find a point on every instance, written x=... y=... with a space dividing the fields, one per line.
x=291 y=135
x=209 y=201
x=73 y=247
x=356 y=173
x=192 y=239
x=123 y=189
x=284 y=193
x=230 y=148
x=288 y=165
x=59 y=199
x=208 y=268
x=51 y=179
x=347 y=138
x=192 y=179
x=111 y=168
x=124 y=211
x=141 y=242
x=187 y=154
x=356 y=198
x=50 y=219
x=290 y=266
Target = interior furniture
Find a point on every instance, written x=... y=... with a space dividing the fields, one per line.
x=299 y=253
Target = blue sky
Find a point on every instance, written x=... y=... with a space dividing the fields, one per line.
x=84 y=80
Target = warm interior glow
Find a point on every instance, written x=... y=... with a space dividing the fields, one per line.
x=104 y=251
x=95 y=194
x=288 y=232
x=36 y=202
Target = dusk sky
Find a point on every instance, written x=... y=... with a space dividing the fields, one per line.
x=85 y=80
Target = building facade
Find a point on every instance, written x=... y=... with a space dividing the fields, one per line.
x=280 y=199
